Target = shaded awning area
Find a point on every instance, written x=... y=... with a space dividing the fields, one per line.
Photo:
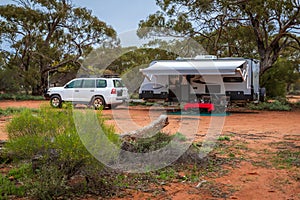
x=196 y=67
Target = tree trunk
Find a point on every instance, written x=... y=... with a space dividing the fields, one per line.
x=288 y=87
x=264 y=65
x=35 y=90
x=39 y=89
x=44 y=82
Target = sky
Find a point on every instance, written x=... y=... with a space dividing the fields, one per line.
x=123 y=15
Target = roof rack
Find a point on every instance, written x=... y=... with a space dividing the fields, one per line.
x=100 y=76
x=110 y=76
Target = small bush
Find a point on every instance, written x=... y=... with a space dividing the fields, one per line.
x=166 y=174
x=49 y=140
x=296 y=105
x=180 y=137
x=45 y=122
x=134 y=96
x=20 y=97
x=9 y=184
x=137 y=103
x=49 y=183
x=144 y=145
x=8 y=188
x=24 y=147
x=272 y=106
x=33 y=133
x=287 y=159
x=297 y=92
x=224 y=138
x=10 y=111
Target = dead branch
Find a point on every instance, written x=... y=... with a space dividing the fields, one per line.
x=147 y=131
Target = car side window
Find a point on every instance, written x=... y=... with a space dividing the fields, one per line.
x=88 y=83
x=74 y=84
x=101 y=83
x=118 y=84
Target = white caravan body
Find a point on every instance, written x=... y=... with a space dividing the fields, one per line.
x=191 y=80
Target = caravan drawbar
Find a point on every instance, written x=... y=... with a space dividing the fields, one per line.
x=202 y=79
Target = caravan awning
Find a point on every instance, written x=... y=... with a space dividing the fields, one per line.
x=194 y=67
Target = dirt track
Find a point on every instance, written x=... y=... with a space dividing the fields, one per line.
x=254 y=136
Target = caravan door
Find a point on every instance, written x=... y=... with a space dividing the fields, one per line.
x=179 y=88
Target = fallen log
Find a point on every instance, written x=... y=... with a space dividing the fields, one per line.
x=147 y=131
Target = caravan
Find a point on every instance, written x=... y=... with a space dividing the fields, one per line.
x=202 y=79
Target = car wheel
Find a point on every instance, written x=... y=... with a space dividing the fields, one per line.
x=98 y=103
x=55 y=101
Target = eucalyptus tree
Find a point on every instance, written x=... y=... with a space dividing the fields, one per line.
x=47 y=36
x=256 y=28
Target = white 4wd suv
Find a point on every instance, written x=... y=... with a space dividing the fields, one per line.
x=97 y=92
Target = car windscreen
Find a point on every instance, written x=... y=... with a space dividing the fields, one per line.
x=74 y=84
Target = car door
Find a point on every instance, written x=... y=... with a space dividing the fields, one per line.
x=122 y=91
x=71 y=90
x=87 y=91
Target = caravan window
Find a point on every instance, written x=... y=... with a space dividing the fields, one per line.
x=232 y=79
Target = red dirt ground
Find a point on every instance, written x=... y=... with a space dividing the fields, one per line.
x=255 y=136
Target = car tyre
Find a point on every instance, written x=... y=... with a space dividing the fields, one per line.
x=98 y=103
x=55 y=101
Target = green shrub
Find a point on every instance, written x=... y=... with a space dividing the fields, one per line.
x=296 y=105
x=180 y=137
x=166 y=174
x=10 y=111
x=295 y=92
x=31 y=133
x=272 y=106
x=137 y=103
x=25 y=147
x=134 y=96
x=8 y=186
x=158 y=141
x=287 y=159
x=49 y=140
x=26 y=124
x=20 y=97
x=49 y=183
x=100 y=139
x=224 y=138
x=283 y=73
x=45 y=122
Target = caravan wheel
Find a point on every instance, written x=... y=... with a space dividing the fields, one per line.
x=262 y=94
x=220 y=109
